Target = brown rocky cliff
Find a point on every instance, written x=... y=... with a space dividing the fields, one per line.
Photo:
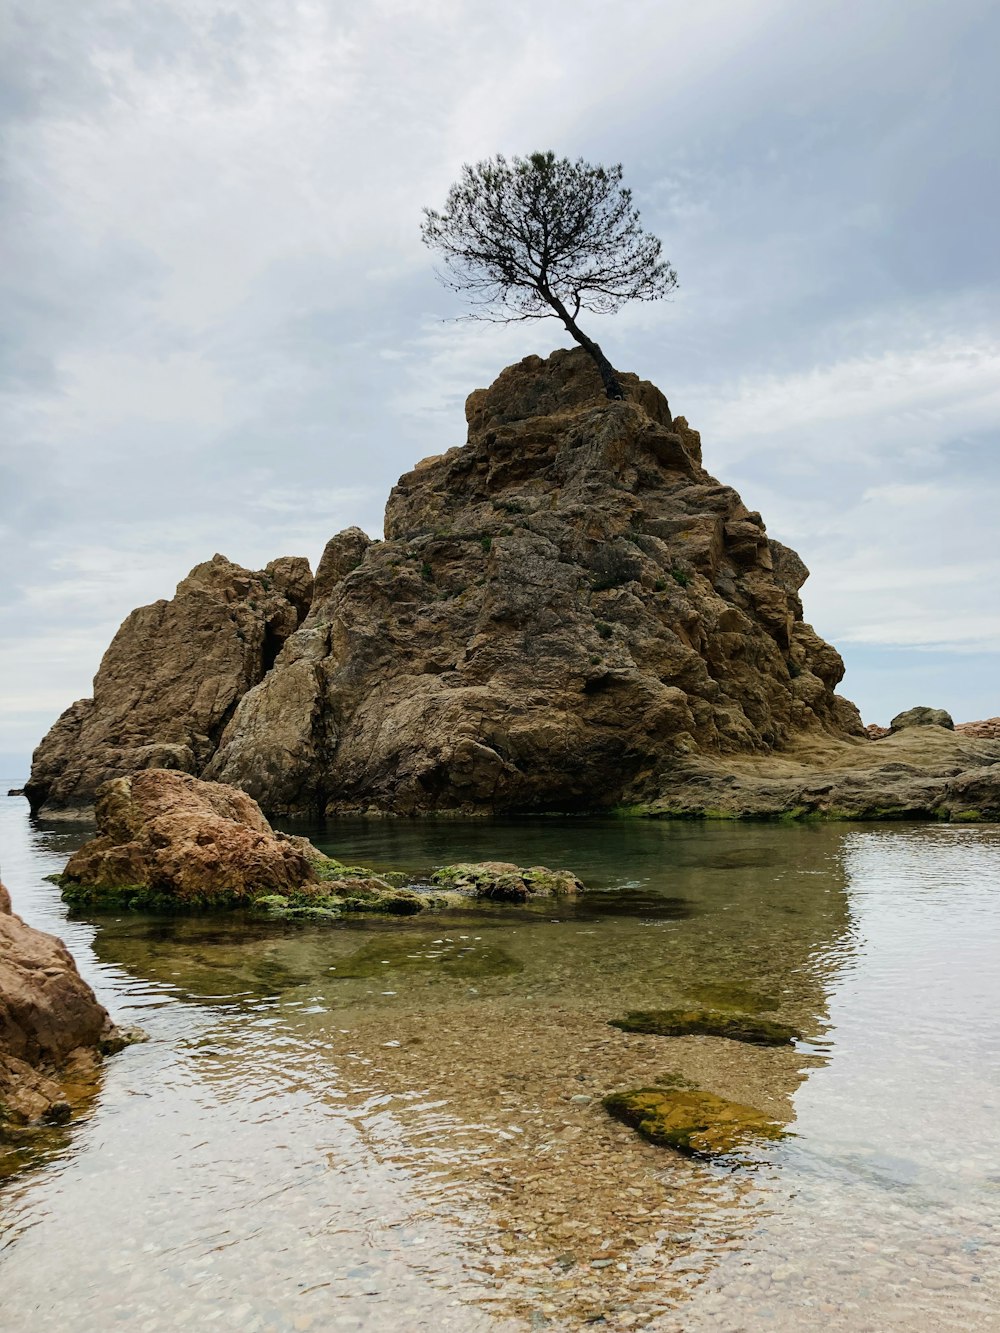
x=171 y=680
x=561 y=610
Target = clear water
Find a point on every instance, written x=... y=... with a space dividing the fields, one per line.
x=397 y=1125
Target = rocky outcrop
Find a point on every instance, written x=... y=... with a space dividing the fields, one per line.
x=562 y=610
x=167 y=840
x=52 y=1029
x=988 y=729
x=501 y=881
x=922 y=717
x=167 y=837
x=567 y=613
x=917 y=772
x=171 y=679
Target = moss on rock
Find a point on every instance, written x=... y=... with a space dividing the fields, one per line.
x=694 y=1122
x=502 y=881
x=708 y=1023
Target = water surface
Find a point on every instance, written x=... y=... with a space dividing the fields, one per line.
x=397 y=1124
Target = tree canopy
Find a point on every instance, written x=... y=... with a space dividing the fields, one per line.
x=542 y=237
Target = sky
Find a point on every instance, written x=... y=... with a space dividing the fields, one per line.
x=220 y=331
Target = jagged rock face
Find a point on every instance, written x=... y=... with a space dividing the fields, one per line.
x=561 y=610
x=50 y=1019
x=171 y=679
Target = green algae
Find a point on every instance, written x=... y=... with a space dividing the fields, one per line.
x=732 y=995
x=708 y=1023
x=504 y=882
x=694 y=1122
x=464 y=958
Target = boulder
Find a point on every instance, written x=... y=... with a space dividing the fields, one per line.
x=922 y=717
x=170 y=680
x=168 y=838
x=52 y=1029
x=504 y=882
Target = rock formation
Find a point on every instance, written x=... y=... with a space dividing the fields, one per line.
x=567 y=613
x=987 y=729
x=169 y=840
x=186 y=842
x=170 y=680
x=52 y=1029
x=560 y=610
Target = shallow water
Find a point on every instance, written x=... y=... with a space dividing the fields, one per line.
x=386 y=1125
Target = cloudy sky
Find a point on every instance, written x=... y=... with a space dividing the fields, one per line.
x=220 y=330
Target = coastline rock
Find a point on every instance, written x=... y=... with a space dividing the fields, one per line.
x=167 y=840
x=568 y=613
x=988 y=729
x=52 y=1028
x=919 y=773
x=562 y=609
x=166 y=836
x=922 y=717
x=504 y=882
x=170 y=680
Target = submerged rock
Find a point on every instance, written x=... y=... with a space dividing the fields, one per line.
x=697 y=1123
x=53 y=1031
x=748 y=1028
x=504 y=882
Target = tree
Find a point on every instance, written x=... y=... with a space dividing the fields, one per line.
x=542 y=237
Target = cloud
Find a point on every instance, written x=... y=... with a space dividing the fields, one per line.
x=219 y=329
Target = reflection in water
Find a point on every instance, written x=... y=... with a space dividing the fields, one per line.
x=397 y=1123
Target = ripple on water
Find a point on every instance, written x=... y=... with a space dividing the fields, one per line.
x=382 y=1125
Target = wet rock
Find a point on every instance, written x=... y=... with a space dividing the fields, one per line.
x=15 y=791
x=747 y=1028
x=698 y=1123
x=504 y=882
x=167 y=838
x=52 y=1028
x=170 y=680
x=922 y=717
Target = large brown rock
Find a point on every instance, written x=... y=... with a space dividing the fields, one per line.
x=52 y=1029
x=561 y=611
x=187 y=842
x=170 y=680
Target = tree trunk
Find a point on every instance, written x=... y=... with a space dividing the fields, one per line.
x=612 y=386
